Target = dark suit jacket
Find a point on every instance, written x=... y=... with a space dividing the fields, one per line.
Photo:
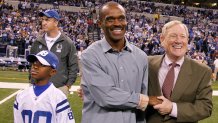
x=192 y=92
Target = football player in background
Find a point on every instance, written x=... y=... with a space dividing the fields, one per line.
x=42 y=102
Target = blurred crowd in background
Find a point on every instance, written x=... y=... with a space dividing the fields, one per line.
x=20 y=27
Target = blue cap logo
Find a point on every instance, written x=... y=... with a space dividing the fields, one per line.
x=45 y=57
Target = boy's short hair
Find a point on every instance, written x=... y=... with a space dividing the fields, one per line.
x=45 y=57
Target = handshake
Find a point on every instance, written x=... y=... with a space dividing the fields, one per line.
x=148 y=100
x=153 y=100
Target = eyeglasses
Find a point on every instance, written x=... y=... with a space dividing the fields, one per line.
x=175 y=36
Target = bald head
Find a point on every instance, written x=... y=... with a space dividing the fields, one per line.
x=107 y=6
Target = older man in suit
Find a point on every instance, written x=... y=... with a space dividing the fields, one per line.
x=181 y=83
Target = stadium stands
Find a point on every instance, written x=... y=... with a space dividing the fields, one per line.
x=79 y=22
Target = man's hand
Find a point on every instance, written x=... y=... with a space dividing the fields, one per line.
x=80 y=93
x=153 y=100
x=165 y=107
x=143 y=102
x=68 y=86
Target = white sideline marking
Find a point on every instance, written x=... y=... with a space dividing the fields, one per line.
x=215 y=93
x=22 y=86
x=74 y=88
x=10 y=96
x=14 y=85
x=25 y=85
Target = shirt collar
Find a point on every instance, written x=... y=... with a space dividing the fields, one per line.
x=47 y=38
x=167 y=61
x=107 y=47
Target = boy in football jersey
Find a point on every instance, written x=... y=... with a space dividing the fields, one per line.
x=42 y=102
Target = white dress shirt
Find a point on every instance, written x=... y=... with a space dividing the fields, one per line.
x=165 y=67
x=216 y=63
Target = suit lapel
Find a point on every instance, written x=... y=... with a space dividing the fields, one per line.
x=183 y=80
x=153 y=75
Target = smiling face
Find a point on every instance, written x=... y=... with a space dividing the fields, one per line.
x=113 y=22
x=175 y=41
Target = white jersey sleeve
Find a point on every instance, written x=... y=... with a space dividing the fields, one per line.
x=17 y=112
x=64 y=112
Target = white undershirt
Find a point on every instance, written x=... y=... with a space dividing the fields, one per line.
x=50 y=41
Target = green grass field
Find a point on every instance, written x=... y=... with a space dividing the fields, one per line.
x=20 y=77
x=5 y=92
x=13 y=76
x=6 y=109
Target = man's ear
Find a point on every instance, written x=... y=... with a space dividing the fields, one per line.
x=53 y=72
x=162 y=38
x=99 y=23
x=56 y=21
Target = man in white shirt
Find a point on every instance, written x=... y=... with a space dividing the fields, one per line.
x=61 y=45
